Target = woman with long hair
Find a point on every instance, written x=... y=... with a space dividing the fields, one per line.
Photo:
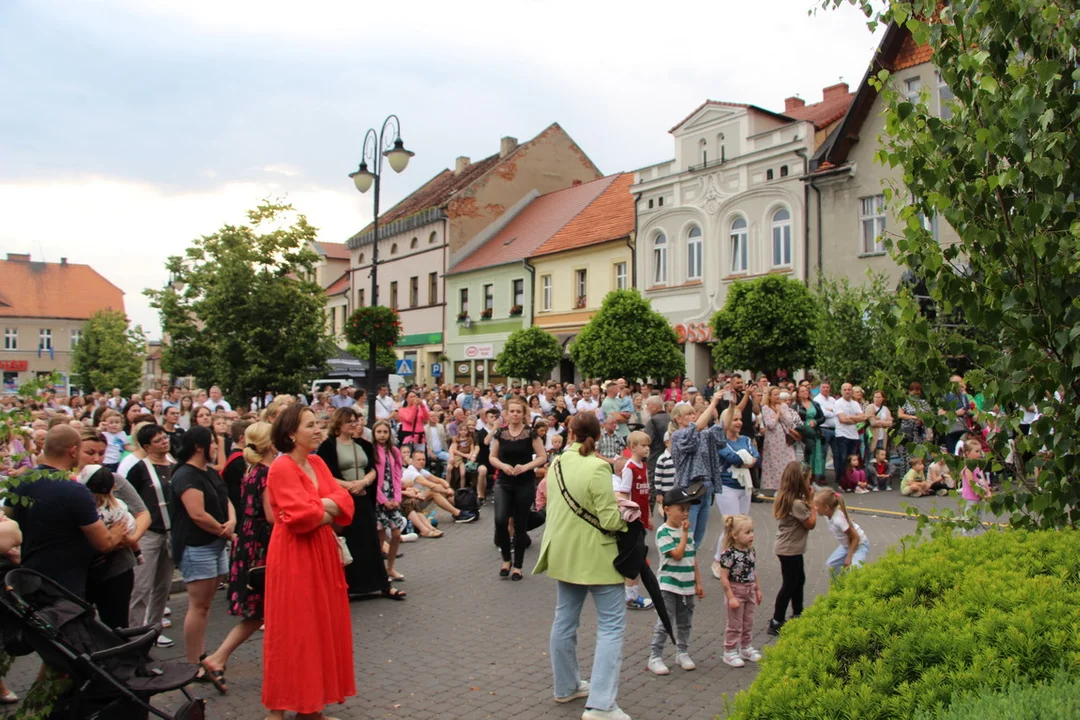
x=412 y=420
x=516 y=452
x=203 y=522
x=245 y=593
x=187 y=406
x=388 y=468
x=810 y=418
x=131 y=411
x=202 y=417
x=351 y=461
x=308 y=644
x=580 y=557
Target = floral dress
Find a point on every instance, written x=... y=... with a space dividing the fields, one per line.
x=776 y=453
x=389 y=518
x=252 y=541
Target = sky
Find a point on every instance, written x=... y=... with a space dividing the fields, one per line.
x=129 y=128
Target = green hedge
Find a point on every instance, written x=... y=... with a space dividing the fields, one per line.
x=1058 y=700
x=924 y=624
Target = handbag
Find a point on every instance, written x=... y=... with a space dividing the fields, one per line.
x=343 y=548
x=630 y=542
x=792 y=436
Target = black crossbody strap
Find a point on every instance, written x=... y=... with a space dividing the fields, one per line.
x=574 y=505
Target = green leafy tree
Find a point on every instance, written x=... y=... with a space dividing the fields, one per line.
x=378 y=323
x=529 y=353
x=109 y=354
x=627 y=338
x=1001 y=169
x=242 y=310
x=766 y=325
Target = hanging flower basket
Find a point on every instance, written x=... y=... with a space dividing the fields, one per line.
x=516 y=310
x=462 y=316
x=378 y=323
x=485 y=314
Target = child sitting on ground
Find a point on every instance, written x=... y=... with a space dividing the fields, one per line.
x=742 y=589
x=939 y=472
x=678 y=577
x=914 y=483
x=854 y=477
x=880 y=472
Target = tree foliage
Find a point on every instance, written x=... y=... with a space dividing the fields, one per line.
x=529 y=353
x=1001 y=170
x=765 y=325
x=627 y=338
x=109 y=354
x=242 y=311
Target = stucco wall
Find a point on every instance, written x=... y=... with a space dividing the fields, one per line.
x=599 y=261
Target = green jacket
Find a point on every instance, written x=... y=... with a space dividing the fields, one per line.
x=573 y=550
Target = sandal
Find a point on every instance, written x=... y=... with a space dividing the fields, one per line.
x=516 y=575
x=10 y=699
x=214 y=677
x=434 y=535
x=504 y=572
x=393 y=594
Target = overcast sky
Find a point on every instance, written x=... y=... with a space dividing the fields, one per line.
x=130 y=127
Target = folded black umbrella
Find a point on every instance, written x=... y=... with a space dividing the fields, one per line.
x=653 y=586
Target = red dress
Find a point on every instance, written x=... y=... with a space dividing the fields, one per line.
x=308 y=643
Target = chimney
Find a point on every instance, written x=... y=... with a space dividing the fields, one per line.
x=793 y=103
x=507 y=145
x=839 y=90
x=462 y=163
x=63 y=261
x=18 y=257
x=577 y=181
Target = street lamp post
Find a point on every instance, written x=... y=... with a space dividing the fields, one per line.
x=376 y=147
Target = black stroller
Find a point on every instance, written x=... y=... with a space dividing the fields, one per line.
x=112 y=675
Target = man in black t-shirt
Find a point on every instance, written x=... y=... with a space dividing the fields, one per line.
x=60 y=524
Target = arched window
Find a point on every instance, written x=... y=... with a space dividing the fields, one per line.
x=740 y=244
x=693 y=254
x=660 y=260
x=781 y=237
x=360 y=259
x=414 y=243
x=433 y=237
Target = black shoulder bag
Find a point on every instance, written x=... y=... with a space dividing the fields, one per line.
x=631 y=542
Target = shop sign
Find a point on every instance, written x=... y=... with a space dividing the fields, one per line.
x=14 y=365
x=463 y=369
x=480 y=352
x=695 y=332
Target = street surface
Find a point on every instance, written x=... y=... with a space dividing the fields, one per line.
x=467 y=645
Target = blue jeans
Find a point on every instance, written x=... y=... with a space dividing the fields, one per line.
x=610 y=601
x=835 y=562
x=699 y=517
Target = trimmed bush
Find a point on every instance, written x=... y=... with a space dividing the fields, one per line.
x=925 y=624
x=1059 y=700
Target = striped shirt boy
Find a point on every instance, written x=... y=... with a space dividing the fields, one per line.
x=675 y=576
x=663 y=474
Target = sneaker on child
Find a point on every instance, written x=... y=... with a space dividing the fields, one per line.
x=466 y=516
x=657 y=666
x=749 y=653
x=731 y=657
x=685 y=662
x=614 y=713
x=409 y=537
x=716 y=568
x=639 y=603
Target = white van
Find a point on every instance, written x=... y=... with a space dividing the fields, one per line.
x=329 y=384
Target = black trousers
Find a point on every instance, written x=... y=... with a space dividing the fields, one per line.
x=793 y=576
x=513 y=499
x=111 y=597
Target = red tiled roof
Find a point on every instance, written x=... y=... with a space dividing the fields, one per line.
x=534 y=225
x=55 y=290
x=911 y=54
x=332 y=250
x=339 y=286
x=824 y=113
x=609 y=217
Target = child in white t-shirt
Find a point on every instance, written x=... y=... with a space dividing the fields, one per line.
x=116 y=440
x=854 y=547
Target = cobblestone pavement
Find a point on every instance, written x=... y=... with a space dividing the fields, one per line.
x=467 y=645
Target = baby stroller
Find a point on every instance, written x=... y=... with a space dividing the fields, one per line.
x=112 y=674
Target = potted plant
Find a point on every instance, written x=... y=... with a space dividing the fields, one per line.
x=463 y=316
x=485 y=314
x=515 y=310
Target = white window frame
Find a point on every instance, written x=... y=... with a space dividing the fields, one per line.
x=944 y=97
x=913 y=89
x=740 y=245
x=463 y=301
x=518 y=296
x=930 y=224
x=659 y=256
x=621 y=277
x=545 y=293
x=11 y=338
x=581 y=287
x=693 y=253
x=489 y=297
x=780 y=236
x=872 y=220
x=45 y=339
x=76 y=336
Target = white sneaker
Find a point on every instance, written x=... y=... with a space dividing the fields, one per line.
x=731 y=657
x=639 y=603
x=716 y=568
x=164 y=642
x=614 y=713
x=166 y=623
x=168 y=612
x=657 y=666
x=749 y=653
x=685 y=662
x=581 y=692
x=409 y=537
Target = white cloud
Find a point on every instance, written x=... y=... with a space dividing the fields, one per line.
x=282 y=169
x=126 y=229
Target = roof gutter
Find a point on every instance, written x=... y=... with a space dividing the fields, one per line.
x=532 y=287
x=802 y=152
x=631 y=242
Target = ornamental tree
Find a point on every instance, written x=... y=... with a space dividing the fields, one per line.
x=1001 y=170
x=529 y=353
x=374 y=323
x=627 y=338
x=109 y=354
x=766 y=325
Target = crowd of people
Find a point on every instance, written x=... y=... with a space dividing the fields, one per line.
x=247 y=501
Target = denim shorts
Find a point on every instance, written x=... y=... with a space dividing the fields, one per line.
x=204 y=562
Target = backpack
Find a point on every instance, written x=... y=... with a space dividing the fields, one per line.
x=465 y=500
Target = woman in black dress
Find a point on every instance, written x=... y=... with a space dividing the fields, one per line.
x=516 y=452
x=351 y=461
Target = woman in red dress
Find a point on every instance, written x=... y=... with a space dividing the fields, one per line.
x=307 y=645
